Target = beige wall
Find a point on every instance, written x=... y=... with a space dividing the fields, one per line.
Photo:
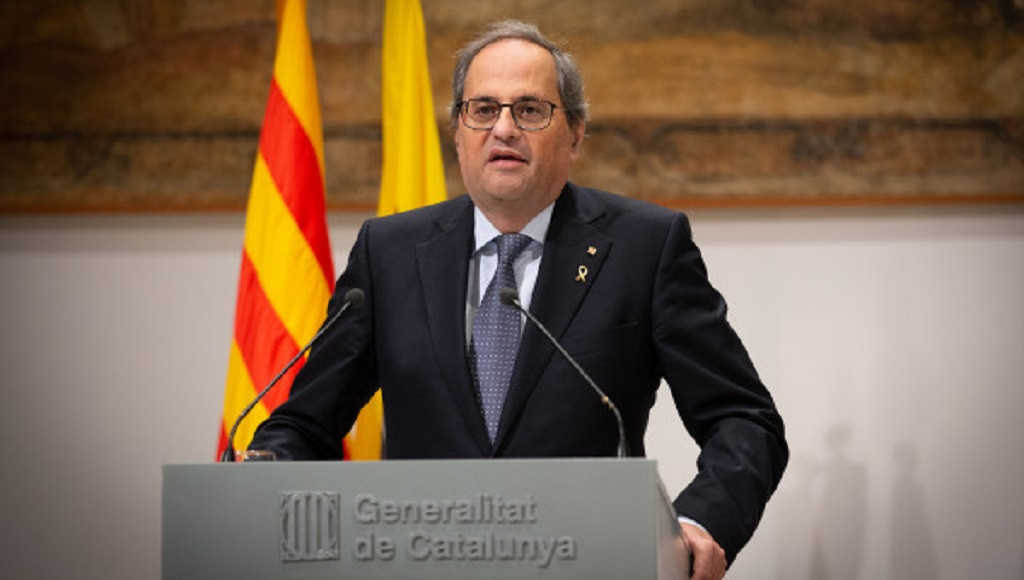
x=892 y=340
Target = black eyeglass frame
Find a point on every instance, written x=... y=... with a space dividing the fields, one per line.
x=464 y=113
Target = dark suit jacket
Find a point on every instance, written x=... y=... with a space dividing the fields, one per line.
x=644 y=311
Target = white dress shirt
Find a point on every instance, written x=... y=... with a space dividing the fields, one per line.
x=484 y=262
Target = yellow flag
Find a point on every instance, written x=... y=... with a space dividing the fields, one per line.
x=412 y=172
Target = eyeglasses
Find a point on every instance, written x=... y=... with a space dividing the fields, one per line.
x=527 y=114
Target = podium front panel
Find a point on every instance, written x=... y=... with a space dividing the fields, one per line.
x=389 y=520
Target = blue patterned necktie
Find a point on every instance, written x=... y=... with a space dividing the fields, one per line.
x=496 y=328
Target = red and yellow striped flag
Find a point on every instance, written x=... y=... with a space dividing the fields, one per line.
x=287 y=275
x=412 y=171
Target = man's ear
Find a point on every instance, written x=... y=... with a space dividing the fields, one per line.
x=577 y=138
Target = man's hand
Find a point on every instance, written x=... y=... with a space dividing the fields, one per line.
x=708 y=561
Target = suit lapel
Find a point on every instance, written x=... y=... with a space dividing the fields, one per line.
x=443 y=263
x=574 y=252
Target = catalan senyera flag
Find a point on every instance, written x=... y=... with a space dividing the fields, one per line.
x=287 y=275
x=412 y=171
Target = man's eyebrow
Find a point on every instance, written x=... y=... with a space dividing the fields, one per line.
x=528 y=97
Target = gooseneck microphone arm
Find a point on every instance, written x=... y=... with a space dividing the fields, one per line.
x=510 y=297
x=353 y=299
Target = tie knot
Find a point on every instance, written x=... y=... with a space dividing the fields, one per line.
x=510 y=246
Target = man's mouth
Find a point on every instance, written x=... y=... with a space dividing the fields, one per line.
x=505 y=157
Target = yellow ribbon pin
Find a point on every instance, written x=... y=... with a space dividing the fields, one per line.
x=582 y=271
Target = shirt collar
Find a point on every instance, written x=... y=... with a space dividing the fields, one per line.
x=536 y=229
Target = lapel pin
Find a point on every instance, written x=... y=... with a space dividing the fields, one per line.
x=592 y=251
x=582 y=274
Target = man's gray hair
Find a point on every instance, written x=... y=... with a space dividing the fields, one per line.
x=570 y=82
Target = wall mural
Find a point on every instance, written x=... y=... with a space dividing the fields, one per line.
x=154 y=105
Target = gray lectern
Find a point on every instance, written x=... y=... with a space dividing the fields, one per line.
x=575 y=518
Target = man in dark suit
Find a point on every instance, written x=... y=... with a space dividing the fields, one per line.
x=619 y=282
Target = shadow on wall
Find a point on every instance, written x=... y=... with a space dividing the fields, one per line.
x=838 y=548
x=912 y=546
x=835 y=530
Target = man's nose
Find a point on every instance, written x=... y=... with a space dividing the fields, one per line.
x=505 y=127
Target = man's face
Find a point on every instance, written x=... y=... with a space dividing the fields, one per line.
x=505 y=168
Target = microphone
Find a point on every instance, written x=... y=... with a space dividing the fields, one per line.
x=353 y=299
x=510 y=297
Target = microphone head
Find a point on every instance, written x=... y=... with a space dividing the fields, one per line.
x=355 y=297
x=508 y=296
